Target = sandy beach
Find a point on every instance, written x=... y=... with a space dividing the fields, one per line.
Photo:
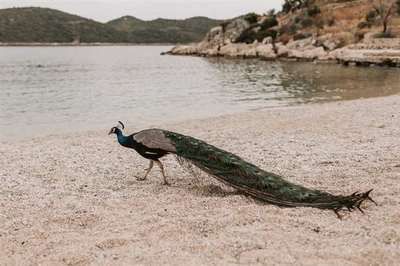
x=74 y=199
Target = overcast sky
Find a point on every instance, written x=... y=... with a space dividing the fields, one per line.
x=105 y=10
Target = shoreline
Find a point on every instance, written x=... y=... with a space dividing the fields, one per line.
x=100 y=131
x=73 y=199
x=379 y=52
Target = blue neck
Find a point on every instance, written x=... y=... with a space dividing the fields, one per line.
x=121 y=138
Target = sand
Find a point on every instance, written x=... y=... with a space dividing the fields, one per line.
x=74 y=199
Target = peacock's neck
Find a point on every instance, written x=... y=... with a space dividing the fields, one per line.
x=121 y=138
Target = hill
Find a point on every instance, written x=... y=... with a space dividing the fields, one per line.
x=36 y=24
x=349 y=21
x=360 y=32
x=44 y=25
x=164 y=30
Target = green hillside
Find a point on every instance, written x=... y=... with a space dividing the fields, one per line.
x=36 y=24
x=164 y=30
x=48 y=25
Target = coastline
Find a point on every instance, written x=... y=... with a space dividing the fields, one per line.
x=74 y=199
x=377 y=52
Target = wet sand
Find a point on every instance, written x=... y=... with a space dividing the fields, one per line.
x=74 y=199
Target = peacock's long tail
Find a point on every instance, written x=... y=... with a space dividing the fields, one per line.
x=256 y=182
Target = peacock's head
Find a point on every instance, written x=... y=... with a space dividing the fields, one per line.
x=117 y=129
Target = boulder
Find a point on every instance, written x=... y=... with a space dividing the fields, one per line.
x=308 y=54
x=300 y=44
x=239 y=50
x=282 y=50
x=328 y=41
x=213 y=38
x=185 y=50
x=266 y=51
x=267 y=40
x=234 y=29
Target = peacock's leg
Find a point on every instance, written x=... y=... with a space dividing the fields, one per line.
x=163 y=172
x=147 y=171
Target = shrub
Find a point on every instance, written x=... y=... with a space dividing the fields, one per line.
x=271 y=12
x=293 y=29
x=283 y=29
x=288 y=28
x=247 y=36
x=251 y=18
x=307 y=22
x=331 y=21
x=359 y=35
x=286 y=8
x=363 y=25
x=300 y=36
x=290 y=5
x=398 y=6
x=313 y=11
x=386 y=34
x=320 y=23
x=371 y=16
x=269 y=23
x=262 y=34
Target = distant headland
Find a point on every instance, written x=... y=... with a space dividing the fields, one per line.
x=37 y=26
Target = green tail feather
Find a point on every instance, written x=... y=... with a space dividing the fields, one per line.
x=256 y=182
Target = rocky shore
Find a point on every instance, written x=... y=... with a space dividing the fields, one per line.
x=381 y=52
x=226 y=41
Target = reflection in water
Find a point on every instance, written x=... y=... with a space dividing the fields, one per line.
x=51 y=90
x=325 y=82
x=288 y=83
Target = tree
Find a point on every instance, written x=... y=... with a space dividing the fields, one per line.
x=385 y=10
x=292 y=5
x=272 y=12
x=398 y=6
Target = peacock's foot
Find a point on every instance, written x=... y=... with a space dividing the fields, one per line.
x=141 y=178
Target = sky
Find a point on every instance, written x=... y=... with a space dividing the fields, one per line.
x=105 y=10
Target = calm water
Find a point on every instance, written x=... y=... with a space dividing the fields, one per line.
x=47 y=90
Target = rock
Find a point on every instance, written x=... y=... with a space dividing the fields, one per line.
x=364 y=57
x=239 y=50
x=300 y=44
x=369 y=36
x=309 y=54
x=214 y=37
x=234 y=29
x=224 y=34
x=266 y=51
x=344 y=38
x=282 y=50
x=212 y=52
x=328 y=41
x=267 y=40
x=185 y=50
x=214 y=33
x=330 y=45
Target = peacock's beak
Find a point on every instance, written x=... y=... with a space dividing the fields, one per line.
x=109 y=133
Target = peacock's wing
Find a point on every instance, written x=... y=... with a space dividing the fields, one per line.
x=155 y=139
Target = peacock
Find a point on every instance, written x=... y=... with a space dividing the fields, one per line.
x=230 y=169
